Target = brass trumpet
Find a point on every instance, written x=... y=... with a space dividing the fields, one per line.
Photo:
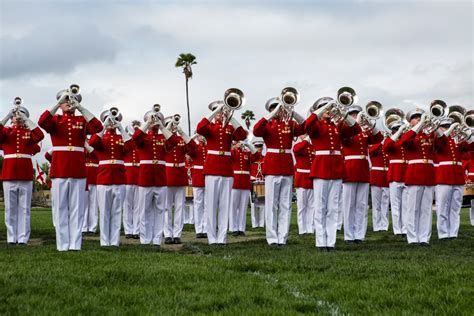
x=368 y=119
x=234 y=99
x=346 y=96
x=113 y=114
x=132 y=127
x=289 y=97
x=155 y=114
x=437 y=111
x=463 y=131
x=393 y=117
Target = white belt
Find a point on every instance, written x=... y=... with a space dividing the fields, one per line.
x=110 y=162
x=17 y=156
x=92 y=165
x=152 y=162
x=241 y=172
x=219 y=153
x=278 y=151
x=397 y=161
x=380 y=168
x=131 y=164
x=327 y=152
x=470 y=174
x=303 y=170
x=355 y=157
x=198 y=167
x=414 y=161
x=175 y=165
x=448 y=163
x=68 y=148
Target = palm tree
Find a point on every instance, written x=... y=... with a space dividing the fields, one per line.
x=185 y=61
x=248 y=116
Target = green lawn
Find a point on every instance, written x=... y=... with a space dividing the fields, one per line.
x=381 y=276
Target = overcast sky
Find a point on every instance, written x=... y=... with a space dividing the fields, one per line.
x=122 y=53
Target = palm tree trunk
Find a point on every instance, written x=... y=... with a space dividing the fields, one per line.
x=187 y=103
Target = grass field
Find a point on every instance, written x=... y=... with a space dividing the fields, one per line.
x=381 y=276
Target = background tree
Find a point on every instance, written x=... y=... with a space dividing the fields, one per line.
x=248 y=116
x=185 y=61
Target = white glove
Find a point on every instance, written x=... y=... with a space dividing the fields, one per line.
x=85 y=112
x=185 y=136
x=29 y=123
x=451 y=129
x=234 y=122
x=250 y=146
x=211 y=116
x=5 y=120
x=438 y=132
x=88 y=147
x=298 y=118
x=375 y=130
x=418 y=127
x=270 y=115
x=124 y=134
x=350 y=120
x=144 y=128
x=319 y=112
x=470 y=140
x=166 y=132
x=398 y=133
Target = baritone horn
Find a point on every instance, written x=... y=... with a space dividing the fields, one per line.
x=346 y=96
x=393 y=117
x=368 y=119
x=289 y=97
x=437 y=111
x=154 y=114
x=458 y=114
x=234 y=99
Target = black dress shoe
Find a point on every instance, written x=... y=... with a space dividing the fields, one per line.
x=22 y=244
x=241 y=233
x=329 y=249
x=273 y=244
x=204 y=235
x=222 y=244
x=235 y=234
x=349 y=242
x=136 y=236
x=322 y=249
x=358 y=241
x=177 y=241
x=424 y=244
x=128 y=236
x=168 y=240
x=12 y=243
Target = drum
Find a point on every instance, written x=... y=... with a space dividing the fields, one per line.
x=469 y=189
x=258 y=191
x=189 y=193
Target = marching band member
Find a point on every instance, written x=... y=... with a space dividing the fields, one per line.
x=396 y=178
x=188 y=212
x=257 y=207
x=68 y=168
x=304 y=155
x=91 y=208
x=327 y=169
x=449 y=180
x=176 y=181
x=242 y=160
x=131 y=211
x=419 y=178
x=110 y=149
x=18 y=142
x=151 y=148
x=379 y=190
x=218 y=170
x=469 y=171
x=355 y=187
x=199 y=157
x=278 y=168
x=49 y=157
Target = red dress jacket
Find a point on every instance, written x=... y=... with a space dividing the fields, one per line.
x=304 y=155
x=199 y=158
x=110 y=150
x=132 y=165
x=19 y=144
x=448 y=167
x=325 y=136
x=152 y=149
x=92 y=166
x=175 y=158
x=219 y=142
x=397 y=160
x=69 y=132
x=379 y=170
x=278 y=138
x=241 y=163
x=419 y=150
x=355 y=151
x=469 y=169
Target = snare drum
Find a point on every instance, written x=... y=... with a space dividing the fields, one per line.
x=469 y=189
x=189 y=193
x=258 y=190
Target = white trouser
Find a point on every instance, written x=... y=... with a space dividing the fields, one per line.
x=217 y=201
x=199 y=210
x=340 y=211
x=175 y=196
x=131 y=216
x=151 y=202
x=278 y=191
x=89 y=224
x=419 y=209
x=398 y=194
x=239 y=202
x=53 y=218
x=380 y=203
x=110 y=198
x=326 y=208
x=17 y=196
x=355 y=196
x=305 y=207
x=188 y=212
x=257 y=210
x=472 y=212
x=448 y=209
x=69 y=199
